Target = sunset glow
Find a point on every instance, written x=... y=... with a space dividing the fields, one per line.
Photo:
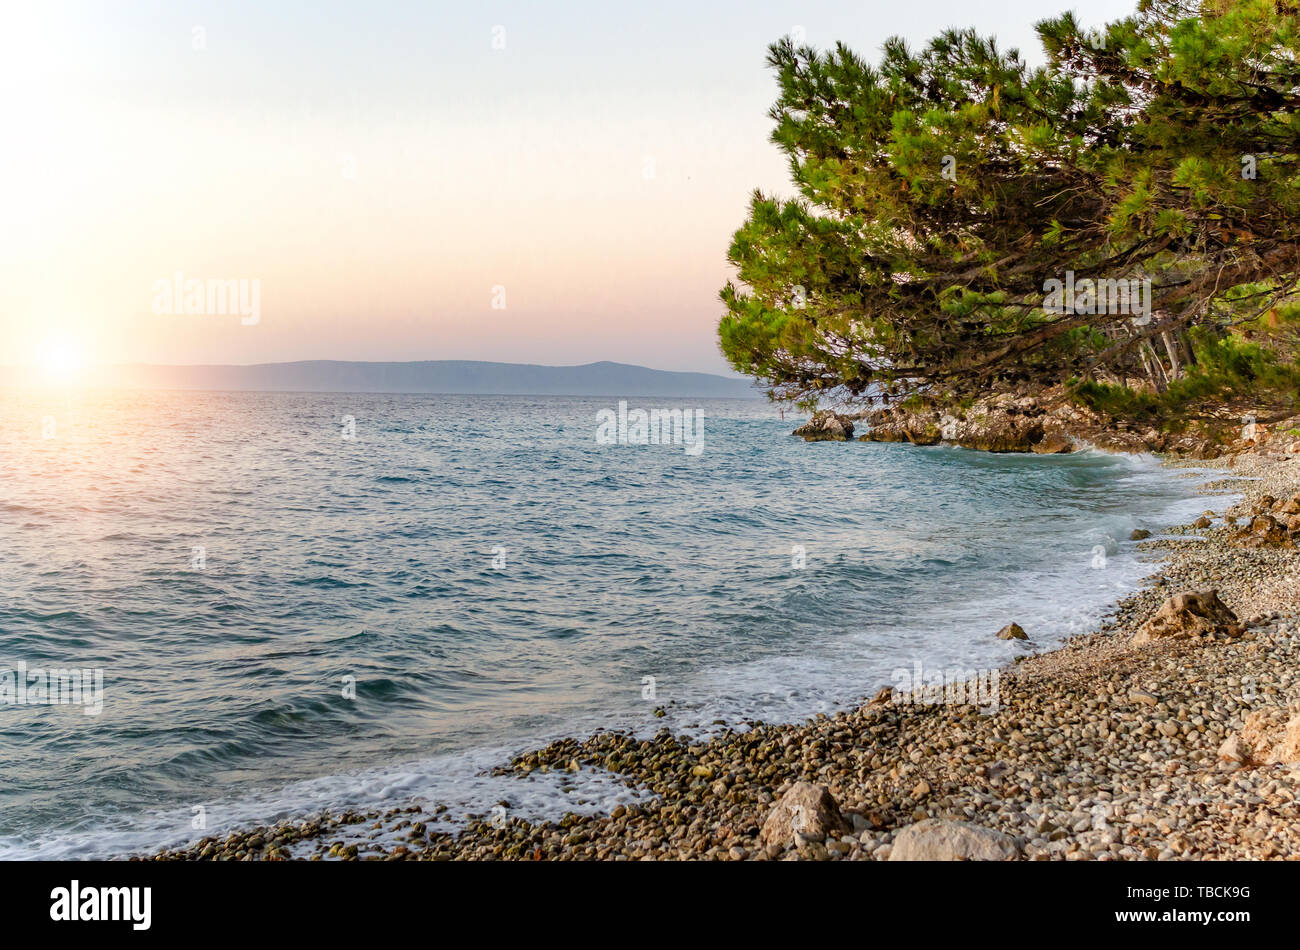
x=379 y=199
x=60 y=359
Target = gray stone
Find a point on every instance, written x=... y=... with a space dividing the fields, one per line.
x=934 y=840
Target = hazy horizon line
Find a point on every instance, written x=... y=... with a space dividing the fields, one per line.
x=91 y=366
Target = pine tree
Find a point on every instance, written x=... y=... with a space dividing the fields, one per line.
x=941 y=191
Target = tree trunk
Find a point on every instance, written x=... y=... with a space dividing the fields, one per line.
x=1155 y=369
x=1175 y=369
x=1189 y=354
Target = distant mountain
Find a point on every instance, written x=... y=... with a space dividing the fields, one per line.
x=432 y=376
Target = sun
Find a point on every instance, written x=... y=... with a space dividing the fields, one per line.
x=60 y=359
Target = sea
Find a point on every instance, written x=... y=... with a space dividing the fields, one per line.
x=285 y=603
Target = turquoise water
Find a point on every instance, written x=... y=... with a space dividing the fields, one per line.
x=484 y=575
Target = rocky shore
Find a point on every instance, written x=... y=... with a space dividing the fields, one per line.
x=1044 y=423
x=1170 y=734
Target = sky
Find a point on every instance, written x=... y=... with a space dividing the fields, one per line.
x=526 y=182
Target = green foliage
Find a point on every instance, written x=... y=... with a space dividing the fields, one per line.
x=939 y=189
x=1118 y=401
x=1228 y=369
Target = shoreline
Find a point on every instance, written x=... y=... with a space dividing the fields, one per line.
x=1099 y=749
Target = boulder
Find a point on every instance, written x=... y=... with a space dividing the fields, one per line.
x=1002 y=422
x=1044 y=423
x=1268 y=736
x=1000 y=430
x=1264 y=531
x=826 y=426
x=1052 y=443
x=1260 y=731
x=1012 y=631
x=883 y=695
x=1189 y=614
x=1230 y=750
x=896 y=424
x=1139 y=534
x=807 y=811
x=1288 y=750
x=934 y=840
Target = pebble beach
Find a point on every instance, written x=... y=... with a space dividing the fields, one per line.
x=1110 y=748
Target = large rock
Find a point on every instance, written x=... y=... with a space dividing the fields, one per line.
x=1265 y=531
x=826 y=426
x=1189 y=614
x=1053 y=443
x=918 y=426
x=934 y=840
x=1288 y=750
x=1013 y=631
x=1268 y=736
x=807 y=810
x=1002 y=422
